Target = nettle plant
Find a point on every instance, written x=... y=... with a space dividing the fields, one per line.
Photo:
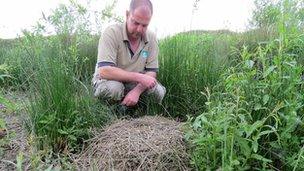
x=255 y=115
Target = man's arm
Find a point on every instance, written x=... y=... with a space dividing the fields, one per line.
x=114 y=73
x=139 y=87
x=132 y=97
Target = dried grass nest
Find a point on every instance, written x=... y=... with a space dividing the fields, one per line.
x=147 y=143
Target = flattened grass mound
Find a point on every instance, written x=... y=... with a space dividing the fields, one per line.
x=147 y=143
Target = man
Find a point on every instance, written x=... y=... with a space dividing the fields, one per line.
x=127 y=62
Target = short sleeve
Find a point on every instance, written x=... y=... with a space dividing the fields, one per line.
x=152 y=61
x=107 y=48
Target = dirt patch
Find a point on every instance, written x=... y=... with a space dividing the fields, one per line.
x=14 y=142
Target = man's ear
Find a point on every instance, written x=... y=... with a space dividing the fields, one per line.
x=127 y=13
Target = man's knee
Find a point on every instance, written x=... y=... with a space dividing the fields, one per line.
x=108 y=89
x=158 y=92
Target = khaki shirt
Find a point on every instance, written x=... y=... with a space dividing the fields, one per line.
x=114 y=50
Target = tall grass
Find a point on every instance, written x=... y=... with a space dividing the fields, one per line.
x=61 y=106
x=56 y=71
x=189 y=63
x=9 y=57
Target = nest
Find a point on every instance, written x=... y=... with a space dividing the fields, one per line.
x=148 y=143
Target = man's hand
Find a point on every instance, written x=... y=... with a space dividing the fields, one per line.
x=147 y=81
x=131 y=99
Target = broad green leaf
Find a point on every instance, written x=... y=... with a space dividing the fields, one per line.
x=265 y=99
x=62 y=132
x=204 y=120
x=20 y=160
x=261 y=158
x=235 y=162
x=2 y=123
x=196 y=124
x=44 y=122
x=249 y=63
x=257 y=106
x=244 y=145
x=255 y=146
x=199 y=121
x=291 y=63
x=264 y=133
x=72 y=137
x=251 y=128
x=268 y=71
x=6 y=103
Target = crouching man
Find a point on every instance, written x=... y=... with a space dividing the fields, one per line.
x=127 y=62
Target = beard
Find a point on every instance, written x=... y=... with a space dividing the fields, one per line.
x=136 y=35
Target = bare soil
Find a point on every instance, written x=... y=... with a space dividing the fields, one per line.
x=13 y=142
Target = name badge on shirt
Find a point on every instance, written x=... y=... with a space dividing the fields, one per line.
x=145 y=54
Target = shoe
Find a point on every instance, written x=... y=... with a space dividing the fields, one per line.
x=121 y=109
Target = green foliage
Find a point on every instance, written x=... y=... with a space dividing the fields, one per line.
x=107 y=13
x=72 y=28
x=6 y=106
x=266 y=14
x=4 y=72
x=61 y=107
x=56 y=71
x=249 y=118
x=61 y=112
x=254 y=117
x=271 y=13
x=7 y=52
x=188 y=63
x=255 y=114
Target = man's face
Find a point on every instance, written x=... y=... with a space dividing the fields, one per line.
x=137 y=22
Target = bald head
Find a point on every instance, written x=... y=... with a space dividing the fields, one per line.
x=141 y=3
x=138 y=19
